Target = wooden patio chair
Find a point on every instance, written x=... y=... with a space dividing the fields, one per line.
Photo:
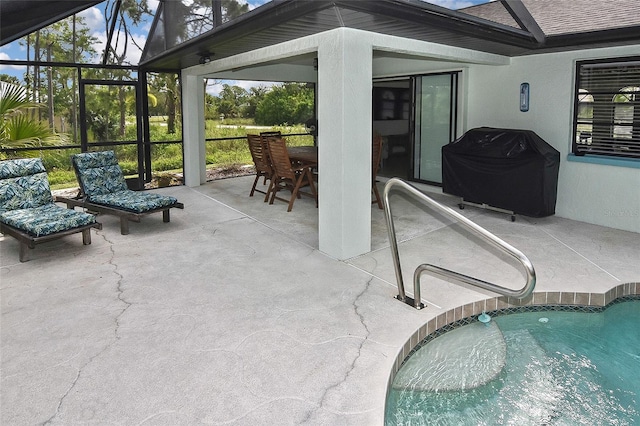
x=260 y=156
x=103 y=189
x=27 y=209
x=287 y=175
x=376 y=156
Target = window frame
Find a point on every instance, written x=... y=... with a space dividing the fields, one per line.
x=608 y=144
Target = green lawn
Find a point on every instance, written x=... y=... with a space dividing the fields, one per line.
x=220 y=154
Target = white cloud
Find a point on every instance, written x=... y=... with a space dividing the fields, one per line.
x=215 y=89
x=133 y=52
x=153 y=5
x=247 y=85
x=98 y=46
x=9 y=69
x=93 y=18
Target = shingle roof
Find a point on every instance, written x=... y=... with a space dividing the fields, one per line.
x=558 y=17
x=493 y=11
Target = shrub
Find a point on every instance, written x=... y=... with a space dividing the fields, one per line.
x=62 y=179
x=129 y=167
x=171 y=163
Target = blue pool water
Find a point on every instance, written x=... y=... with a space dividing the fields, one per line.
x=560 y=368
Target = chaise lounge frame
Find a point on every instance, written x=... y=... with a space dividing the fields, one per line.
x=125 y=216
x=28 y=241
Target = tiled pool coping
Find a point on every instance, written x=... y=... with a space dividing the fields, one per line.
x=543 y=301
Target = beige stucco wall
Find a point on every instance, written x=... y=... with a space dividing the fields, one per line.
x=602 y=194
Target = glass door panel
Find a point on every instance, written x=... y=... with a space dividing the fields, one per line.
x=434 y=126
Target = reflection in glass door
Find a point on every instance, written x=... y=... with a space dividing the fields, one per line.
x=434 y=123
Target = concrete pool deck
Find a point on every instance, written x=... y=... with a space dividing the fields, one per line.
x=230 y=315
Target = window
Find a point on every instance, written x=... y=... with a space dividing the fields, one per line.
x=607 y=108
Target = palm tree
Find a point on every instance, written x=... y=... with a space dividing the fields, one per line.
x=17 y=128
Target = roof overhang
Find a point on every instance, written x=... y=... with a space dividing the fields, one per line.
x=284 y=20
x=281 y=21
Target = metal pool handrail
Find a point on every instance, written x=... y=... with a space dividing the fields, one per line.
x=446 y=273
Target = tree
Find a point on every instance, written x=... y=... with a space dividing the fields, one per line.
x=102 y=112
x=256 y=94
x=10 y=79
x=17 y=128
x=232 y=101
x=210 y=107
x=168 y=85
x=125 y=12
x=68 y=40
x=130 y=12
x=232 y=9
x=288 y=103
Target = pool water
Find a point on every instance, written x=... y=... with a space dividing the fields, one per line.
x=560 y=368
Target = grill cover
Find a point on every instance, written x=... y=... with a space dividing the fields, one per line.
x=510 y=169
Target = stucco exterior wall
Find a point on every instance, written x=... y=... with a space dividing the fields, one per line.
x=602 y=194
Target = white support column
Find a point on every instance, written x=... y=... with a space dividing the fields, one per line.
x=344 y=143
x=193 y=130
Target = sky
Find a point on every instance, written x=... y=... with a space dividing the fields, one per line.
x=94 y=18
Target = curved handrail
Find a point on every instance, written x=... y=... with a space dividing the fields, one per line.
x=438 y=271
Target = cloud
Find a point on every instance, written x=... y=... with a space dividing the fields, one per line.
x=8 y=68
x=247 y=85
x=153 y=5
x=133 y=52
x=93 y=18
x=215 y=89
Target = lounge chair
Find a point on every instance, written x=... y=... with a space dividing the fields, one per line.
x=103 y=189
x=27 y=209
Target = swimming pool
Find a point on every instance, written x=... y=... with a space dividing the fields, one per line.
x=541 y=367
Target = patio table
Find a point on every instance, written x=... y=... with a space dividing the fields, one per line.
x=303 y=154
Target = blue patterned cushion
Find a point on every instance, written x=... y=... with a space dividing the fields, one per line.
x=138 y=202
x=102 y=180
x=20 y=167
x=91 y=160
x=23 y=184
x=45 y=220
x=99 y=173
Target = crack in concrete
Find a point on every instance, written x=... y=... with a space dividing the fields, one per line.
x=352 y=366
x=120 y=296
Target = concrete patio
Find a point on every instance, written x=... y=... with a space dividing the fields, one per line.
x=230 y=315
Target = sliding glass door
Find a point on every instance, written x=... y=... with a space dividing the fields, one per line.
x=434 y=125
